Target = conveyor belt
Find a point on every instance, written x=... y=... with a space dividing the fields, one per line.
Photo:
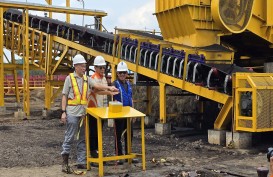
x=213 y=77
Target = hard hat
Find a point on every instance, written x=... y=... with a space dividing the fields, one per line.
x=78 y=59
x=99 y=61
x=122 y=66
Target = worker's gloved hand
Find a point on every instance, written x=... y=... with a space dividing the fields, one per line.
x=269 y=153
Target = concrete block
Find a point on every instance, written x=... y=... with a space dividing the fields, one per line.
x=2 y=109
x=162 y=128
x=19 y=115
x=149 y=121
x=44 y=113
x=110 y=122
x=217 y=137
x=241 y=140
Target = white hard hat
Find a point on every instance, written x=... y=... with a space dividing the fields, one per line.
x=122 y=66
x=78 y=59
x=99 y=61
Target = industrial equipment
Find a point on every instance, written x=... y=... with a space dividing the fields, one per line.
x=196 y=53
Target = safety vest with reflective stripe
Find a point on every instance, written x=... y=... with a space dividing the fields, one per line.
x=79 y=99
x=96 y=100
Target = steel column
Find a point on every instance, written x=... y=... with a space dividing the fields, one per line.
x=15 y=78
x=26 y=61
x=1 y=58
x=67 y=14
x=113 y=72
x=162 y=103
x=49 y=76
x=149 y=102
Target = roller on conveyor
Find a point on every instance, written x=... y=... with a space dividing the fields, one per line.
x=215 y=77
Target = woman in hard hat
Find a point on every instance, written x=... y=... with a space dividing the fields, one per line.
x=124 y=96
x=98 y=98
x=74 y=102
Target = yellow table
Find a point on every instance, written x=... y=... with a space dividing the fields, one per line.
x=103 y=113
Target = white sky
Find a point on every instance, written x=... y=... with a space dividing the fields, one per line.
x=121 y=13
x=129 y=14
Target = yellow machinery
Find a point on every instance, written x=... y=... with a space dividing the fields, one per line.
x=202 y=39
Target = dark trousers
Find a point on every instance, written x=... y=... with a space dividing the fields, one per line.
x=120 y=126
x=93 y=133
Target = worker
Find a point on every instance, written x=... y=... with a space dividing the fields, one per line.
x=98 y=98
x=74 y=101
x=125 y=97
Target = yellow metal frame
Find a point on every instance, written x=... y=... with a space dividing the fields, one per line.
x=240 y=80
x=104 y=113
x=26 y=62
x=50 y=8
x=1 y=58
x=44 y=61
x=40 y=50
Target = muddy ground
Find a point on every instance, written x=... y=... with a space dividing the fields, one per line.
x=32 y=148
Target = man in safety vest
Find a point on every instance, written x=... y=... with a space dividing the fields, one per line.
x=74 y=102
x=126 y=98
x=98 y=98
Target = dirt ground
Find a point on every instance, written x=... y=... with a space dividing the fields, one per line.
x=32 y=148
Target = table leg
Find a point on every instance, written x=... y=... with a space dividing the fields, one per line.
x=87 y=142
x=99 y=124
x=129 y=139
x=143 y=144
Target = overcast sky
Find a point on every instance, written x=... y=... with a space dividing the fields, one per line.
x=129 y=14
x=121 y=13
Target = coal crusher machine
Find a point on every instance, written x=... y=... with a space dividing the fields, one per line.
x=208 y=48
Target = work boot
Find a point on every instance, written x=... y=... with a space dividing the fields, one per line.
x=65 y=167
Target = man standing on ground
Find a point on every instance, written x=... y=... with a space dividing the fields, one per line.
x=125 y=97
x=98 y=98
x=74 y=102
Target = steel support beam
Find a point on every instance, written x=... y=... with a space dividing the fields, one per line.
x=1 y=58
x=15 y=78
x=224 y=117
x=50 y=8
x=149 y=100
x=162 y=103
x=49 y=76
x=26 y=62
x=67 y=14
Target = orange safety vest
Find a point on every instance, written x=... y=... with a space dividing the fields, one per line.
x=79 y=99
x=92 y=98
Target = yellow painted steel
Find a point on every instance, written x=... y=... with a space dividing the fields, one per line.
x=68 y=15
x=1 y=58
x=15 y=79
x=39 y=60
x=162 y=102
x=218 y=17
x=211 y=56
x=49 y=8
x=26 y=62
x=224 y=117
x=149 y=100
x=48 y=73
x=260 y=87
x=50 y=3
x=104 y=113
x=41 y=39
x=199 y=23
